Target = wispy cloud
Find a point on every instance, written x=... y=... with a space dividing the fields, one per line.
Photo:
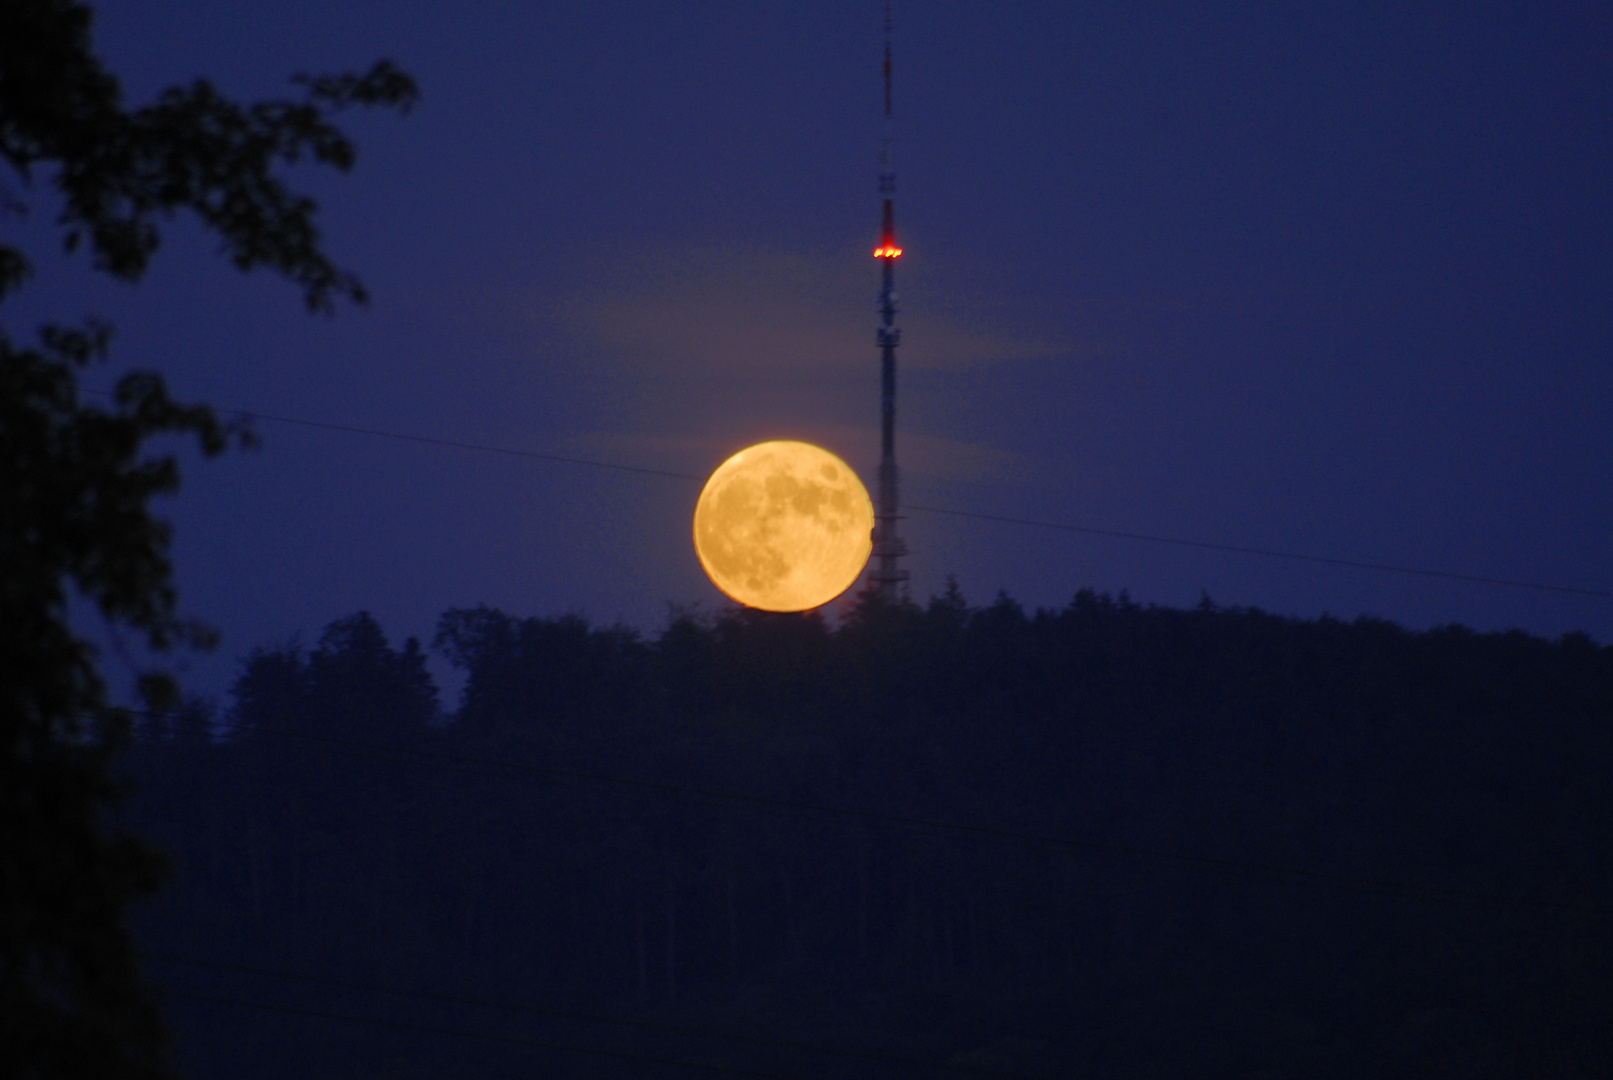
x=695 y=354
x=731 y=312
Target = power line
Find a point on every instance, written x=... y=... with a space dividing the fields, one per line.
x=1266 y=553
x=1086 y=530
x=453 y=444
x=815 y=811
x=672 y=1029
x=512 y=1040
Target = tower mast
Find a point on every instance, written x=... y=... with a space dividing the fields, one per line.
x=887 y=579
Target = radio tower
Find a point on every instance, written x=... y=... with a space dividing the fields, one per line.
x=886 y=579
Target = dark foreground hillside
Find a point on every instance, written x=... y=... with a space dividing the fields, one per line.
x=616 y=835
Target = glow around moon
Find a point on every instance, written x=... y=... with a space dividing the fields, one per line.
x=783 y=526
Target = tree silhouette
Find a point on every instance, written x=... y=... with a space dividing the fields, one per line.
x=76 y=486
x=353 y=686
x=1468 y=767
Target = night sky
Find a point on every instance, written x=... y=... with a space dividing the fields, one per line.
x=1330 y=279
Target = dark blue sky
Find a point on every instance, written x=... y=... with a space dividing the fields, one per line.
x=1324 y=278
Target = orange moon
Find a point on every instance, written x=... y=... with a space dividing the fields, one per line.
x=783 y=526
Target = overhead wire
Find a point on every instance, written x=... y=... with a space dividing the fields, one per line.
x=787 y=807
x=457 y=445
x=1086 y=530
x=591 y=1018
x=1324 y=560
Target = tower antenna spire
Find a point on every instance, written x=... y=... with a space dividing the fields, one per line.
x=887 y=578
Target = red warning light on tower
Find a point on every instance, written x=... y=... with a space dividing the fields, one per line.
x=887 y=250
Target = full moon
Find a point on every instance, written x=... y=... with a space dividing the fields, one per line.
x=783 y=526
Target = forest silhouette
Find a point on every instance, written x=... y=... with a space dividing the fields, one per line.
x=1207 y=842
